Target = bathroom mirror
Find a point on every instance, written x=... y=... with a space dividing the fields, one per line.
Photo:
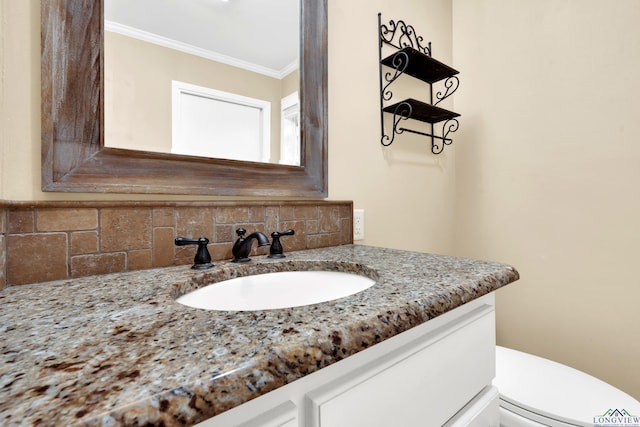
x=74 y=158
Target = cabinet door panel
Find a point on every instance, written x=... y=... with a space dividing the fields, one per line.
x=424 y=385
x=482 y=411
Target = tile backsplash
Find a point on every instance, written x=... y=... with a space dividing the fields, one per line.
x=42 y=241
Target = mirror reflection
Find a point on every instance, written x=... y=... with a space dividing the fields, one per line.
x=209 y=78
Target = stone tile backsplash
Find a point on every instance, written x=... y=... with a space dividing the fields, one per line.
x=42 y=241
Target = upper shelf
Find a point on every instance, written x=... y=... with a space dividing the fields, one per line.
x=419 y=65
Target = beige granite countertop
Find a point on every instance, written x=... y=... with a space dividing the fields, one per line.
x=118 y=350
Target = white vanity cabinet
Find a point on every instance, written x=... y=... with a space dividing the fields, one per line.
x=436 y=374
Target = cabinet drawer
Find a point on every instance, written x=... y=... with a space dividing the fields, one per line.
x=284 y=414
x=425 y=382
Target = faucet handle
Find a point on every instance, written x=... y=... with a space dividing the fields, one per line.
x=202 y=259
x=240 y=232
x=276 y=247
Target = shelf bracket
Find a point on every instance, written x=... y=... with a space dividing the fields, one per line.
x=402 y=112
x=437 y=142
x=451 y=84
x=400 y=62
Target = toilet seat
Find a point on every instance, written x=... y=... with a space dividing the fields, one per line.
x=529 y=419
x=553 y=394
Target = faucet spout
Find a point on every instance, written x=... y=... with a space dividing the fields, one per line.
x=242 y=246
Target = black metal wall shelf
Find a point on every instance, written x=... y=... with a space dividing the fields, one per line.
x=413 y=59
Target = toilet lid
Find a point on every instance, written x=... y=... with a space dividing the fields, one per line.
x=559 y=392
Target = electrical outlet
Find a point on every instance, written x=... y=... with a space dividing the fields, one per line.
x=358 y=224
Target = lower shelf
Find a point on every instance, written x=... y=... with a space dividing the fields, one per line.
x=421 y=111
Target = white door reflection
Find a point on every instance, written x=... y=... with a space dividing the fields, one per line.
x=290 y=130
x=213 y=123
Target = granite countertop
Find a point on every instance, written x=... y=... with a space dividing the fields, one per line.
x=118 y=350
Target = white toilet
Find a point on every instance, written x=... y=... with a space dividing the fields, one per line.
x=538 y=392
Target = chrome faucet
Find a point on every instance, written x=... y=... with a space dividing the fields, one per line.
x=242 y=246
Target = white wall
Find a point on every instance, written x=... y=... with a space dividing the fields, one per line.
x=19 y=95
x=548 y=173
x=407 y=193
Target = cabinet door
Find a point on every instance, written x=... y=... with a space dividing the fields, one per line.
x=482 y=411
x=423 y=384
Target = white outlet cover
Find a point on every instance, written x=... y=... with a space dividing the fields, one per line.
x=358 y=224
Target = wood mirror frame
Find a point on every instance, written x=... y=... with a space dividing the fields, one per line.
x=74 y=158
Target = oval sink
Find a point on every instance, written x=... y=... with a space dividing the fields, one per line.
x=282 y=289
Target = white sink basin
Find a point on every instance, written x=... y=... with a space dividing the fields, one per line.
x=276 y=290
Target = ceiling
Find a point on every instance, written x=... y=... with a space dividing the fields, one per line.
x=260 y=32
